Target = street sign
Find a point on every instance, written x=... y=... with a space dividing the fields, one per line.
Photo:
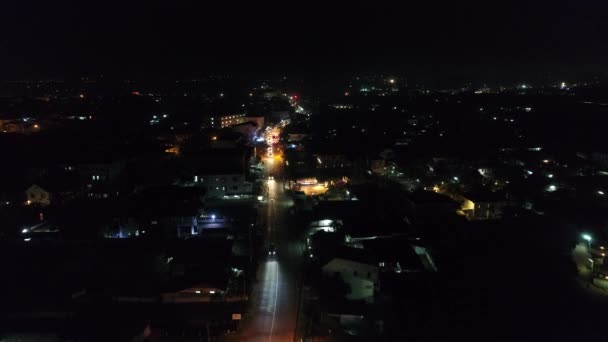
x=236 y=316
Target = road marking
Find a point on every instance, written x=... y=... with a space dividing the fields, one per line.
x=276 y=294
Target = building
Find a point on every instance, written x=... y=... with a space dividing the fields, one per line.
x=357 y=270
x=484 y=205
x=219 y=182
x=37 y=195
x=248 y=129
x=100 y=179
x=332 y=161
x=227 y=120
x=223 y=173
x=227 y=139
x=422 y=204
x=163 y=210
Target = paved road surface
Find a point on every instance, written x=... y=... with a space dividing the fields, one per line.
x=274 y=299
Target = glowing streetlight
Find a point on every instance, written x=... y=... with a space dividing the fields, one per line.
x=587 y=238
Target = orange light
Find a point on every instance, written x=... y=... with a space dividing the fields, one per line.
x=214 y=138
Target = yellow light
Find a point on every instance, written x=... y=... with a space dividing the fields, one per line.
x=214 y=138
x=36 y=126
x=391 y=81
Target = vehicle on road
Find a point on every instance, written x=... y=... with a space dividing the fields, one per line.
x=272 y=250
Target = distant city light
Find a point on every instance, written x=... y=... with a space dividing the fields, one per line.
x=551 y=188
x=213 y=217
x=600 y=192
x=24 y=231
x=391 y=81
x=563 y=85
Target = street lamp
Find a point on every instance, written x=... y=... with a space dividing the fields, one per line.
x=587 y=238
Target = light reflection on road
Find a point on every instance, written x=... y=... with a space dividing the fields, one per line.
x=274 y=297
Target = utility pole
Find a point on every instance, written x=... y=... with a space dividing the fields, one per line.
x=208 y=334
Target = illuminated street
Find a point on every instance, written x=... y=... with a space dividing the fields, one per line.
x=274 y=300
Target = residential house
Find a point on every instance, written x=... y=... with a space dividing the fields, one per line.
x=36 y=195
x=484 y=205
x=357 y=269
x=423 y=205
x=223 y=173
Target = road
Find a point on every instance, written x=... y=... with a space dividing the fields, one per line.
x=275 y=297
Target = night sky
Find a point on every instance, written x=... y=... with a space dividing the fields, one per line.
x=58 y=38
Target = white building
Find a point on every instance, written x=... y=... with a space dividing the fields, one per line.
x=218 y=185
x=361 y=276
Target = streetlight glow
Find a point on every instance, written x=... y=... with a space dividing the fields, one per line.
x=587 y=238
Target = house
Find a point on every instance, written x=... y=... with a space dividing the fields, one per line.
x=223 y=173
x=357 y=270
x=165 y=210
x=399 y=254
x=200 y=270
x=37 y=195
x=484 y=205
x=227 y=139
x=248 y=129
x=423 y=204
x=100 y=172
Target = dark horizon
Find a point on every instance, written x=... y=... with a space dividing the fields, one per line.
x=469 y=39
